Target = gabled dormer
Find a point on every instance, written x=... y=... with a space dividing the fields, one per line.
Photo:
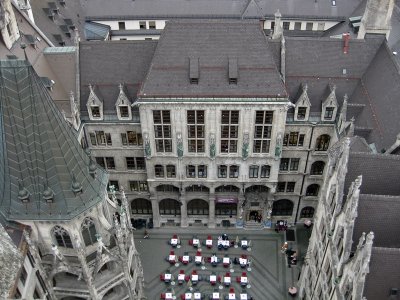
x=330 y=105
x=94 y=105
x=123 y=105
x=303 y=105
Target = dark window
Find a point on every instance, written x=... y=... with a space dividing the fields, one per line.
x=265 y=171
x=62 y=237
x=225 y=209
x=307 y=212
x=284 y=166
x=110 y=163
x=281 y=187
x=142 y=24
x=131 y=138
x=222 y=171
x=36 y=294
x=124 y=111
x=202 y=171
x=100 y=138
x=294 y=164
x=322 y=143
x=301 y=140
x=301 y=113
x=100 y=161
x=293 y=138
x=317 y=168
x=167 y=188
x=197 y=188
x=262 y=131
x=234 y=171
x=196 y=135
x=130 y=163
x=309 y=26
x=227 y=189
x=159 y=170
x=312 y=190
x=113 y=183
x=171 y=172
x=282 y=207
x=95 y=111
x=191 y=171
x=297 y=25
x=253 y=171
x=229 y=131
x=121 y=25
x=162 y=130
x=152 y=25
x=286 y=25
x=141 y=206
x=138 y=186
x=197 y=207
x=169 y=207
x=290 y=187
x=135 y=163
x=88 y=230
x=329 y=113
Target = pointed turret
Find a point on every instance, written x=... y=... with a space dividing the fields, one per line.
x=44 y=172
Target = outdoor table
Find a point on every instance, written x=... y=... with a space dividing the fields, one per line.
x=243 y=280
x=209 y=243
x=197 y=295
x=244 y=244
x=198 y=259
x=242 y=261
x=215 y=296
x=231 y=296
x=196 y=242
x=195 y=277
x=185 y=259
x=226 y=261
x=172 y=258
x=213 y=278
x=174 y=242
x=214 y=259
x=188 y=296
x=168 y=296
x=226 y=244
x=243 y=297
x=167 y=277
x=227 y=280
x=181 y=277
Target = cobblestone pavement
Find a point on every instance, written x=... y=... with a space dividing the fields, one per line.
x=269 y=277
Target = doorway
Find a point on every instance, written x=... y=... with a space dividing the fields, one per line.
x=255 y=215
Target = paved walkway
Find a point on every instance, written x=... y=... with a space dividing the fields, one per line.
x=269 y=277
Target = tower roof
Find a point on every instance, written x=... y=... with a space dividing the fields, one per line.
x=44 y=171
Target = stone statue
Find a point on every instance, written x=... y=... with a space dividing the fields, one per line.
x=245 y=147
x=212 y=146
x=278 y=147
x=147 y=148
x=179 y=144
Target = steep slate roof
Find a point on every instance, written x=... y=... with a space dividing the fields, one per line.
x=108 y=64
x=40 y=152
x=380 y=173
x=181 y=40
x=379 y=214
x=127 y=9
x=383 y=273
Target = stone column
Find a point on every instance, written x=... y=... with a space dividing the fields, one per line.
x=156 y=212
x=184 y=217
x=211 y=211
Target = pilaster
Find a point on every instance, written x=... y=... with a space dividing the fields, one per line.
x=156 y=212
x=211 y=211
x=184 y=216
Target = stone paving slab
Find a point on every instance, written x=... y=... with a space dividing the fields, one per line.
x=269 y=277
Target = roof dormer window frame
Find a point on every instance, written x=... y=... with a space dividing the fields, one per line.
x=94 y=105
x=121 y=103
x=303 y=102
x=330 y=106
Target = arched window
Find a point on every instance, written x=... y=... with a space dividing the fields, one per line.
x=88 y=230
x=197 y=207
x=227 y=189
x=317 y=168
x=307 y=212
x=62 y=237
x=282 y=207
x=169 y=207
x=225 y=209
x=256 y=189
x=322 y=143
x=312 y=190
x=141 y=206
x=167 y=188
x=197 y=188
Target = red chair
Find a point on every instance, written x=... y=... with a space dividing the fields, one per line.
x=219 y=279
x=162 y=296
x=244 y=256
x=181 y=272
x=231 y=290
x=190 y=242
x=171 y=252
x=238 y=279
x=194 y=272
x=175 y=236
x=183 y=297
x=187 y=278
x=198 y=253
x=244 y=274
x=162 y=278
x=209 y=237
x=228 y=274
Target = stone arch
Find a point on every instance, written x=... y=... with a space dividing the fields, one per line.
x=61 y=269
x=63 y=278
x=141 y=206
x=317 y=168
x=312 y=190
x=197 y=207
x=200 y=188
x=283 y=207
x=322 y=143
x=109 y=262
x=167 y=188
x=169 y=206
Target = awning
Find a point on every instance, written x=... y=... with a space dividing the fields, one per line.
x=226 y=199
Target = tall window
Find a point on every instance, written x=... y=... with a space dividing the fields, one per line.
x=88 y=230
x=131 y=138
x=95 y=111
x=191 y=171
x=262 y=131
x=162 y=130
x=265 y=171
x=135 y=163
x=100 y=138
x=62 y=237
x=195 y=121
x=301 y=113
x=287 y=187
x=159 y=170
x=225 y=209
x=253 y=171
x=312 y=190
x=282 y=207
x=233 y=171
x=322 y=143
x=171 y=172
x=222 y=171
x=202 y=171
x=229 y=131
x=289 y=164
x=124 y=111
x=106 y=162
x=317 y=168
x=141 y=206
x=293 y=139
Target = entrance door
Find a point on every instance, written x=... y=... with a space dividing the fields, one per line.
x=253 y=215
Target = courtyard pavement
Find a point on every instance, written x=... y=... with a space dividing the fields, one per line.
x=269 y=278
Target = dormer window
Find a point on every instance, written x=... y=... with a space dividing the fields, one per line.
x=95 y=111
x=124 y=111
x=301 y=113
x=329 y=113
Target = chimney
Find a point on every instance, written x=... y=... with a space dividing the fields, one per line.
x=346 y=39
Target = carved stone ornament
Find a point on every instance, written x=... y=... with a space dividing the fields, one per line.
x=147 y=147
x=278 y=147
x=212 y=145
x=245 y=147
x=179 y=145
